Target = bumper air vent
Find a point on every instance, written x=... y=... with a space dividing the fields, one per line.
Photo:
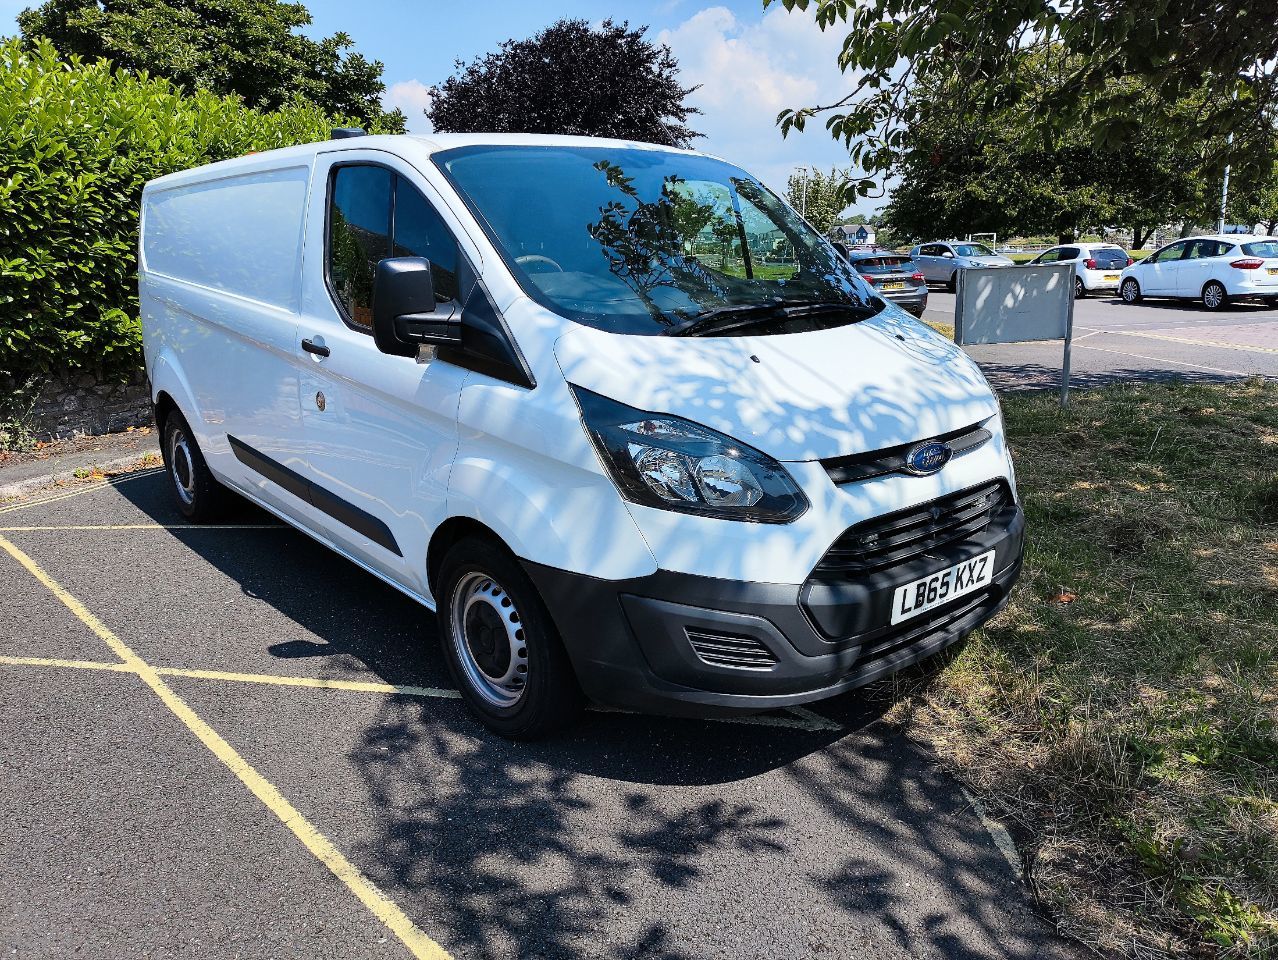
x=730 y=650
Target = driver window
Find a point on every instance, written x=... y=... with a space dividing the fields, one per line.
x=772 y=255
x=1051 y=256
x=419 y=232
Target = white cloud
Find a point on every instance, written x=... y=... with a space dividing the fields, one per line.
x=748 y=73
x=413 y=97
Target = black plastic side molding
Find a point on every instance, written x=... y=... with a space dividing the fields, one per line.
x=343 y=511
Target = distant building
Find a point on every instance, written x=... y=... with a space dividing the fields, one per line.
x=853 y=233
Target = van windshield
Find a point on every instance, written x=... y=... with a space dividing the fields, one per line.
x=648 y=241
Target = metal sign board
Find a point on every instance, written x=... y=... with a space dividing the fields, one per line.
x=1017 y=304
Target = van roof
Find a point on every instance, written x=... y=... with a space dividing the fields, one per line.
x=406 y=145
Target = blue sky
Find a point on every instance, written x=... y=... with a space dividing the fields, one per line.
x=749 y=63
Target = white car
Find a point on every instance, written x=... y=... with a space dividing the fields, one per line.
x=1217 y=268
x=544 y=386
x=1097 y=266
x=941 y=262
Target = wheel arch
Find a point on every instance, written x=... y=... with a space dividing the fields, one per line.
x=451 y=532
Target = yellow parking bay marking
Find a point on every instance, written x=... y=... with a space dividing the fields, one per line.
x=80 y=491
x=385 y=909
x=316 y=683
x=148 y=526
x=800 y=718
x=1192 y=341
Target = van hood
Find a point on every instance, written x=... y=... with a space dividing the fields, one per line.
x=884 y=381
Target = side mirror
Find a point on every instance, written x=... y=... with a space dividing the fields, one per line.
x=404 y=308
x=842 y=248
x=949 y=254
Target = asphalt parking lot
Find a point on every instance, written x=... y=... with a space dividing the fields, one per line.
x=229 y=742
x=1154 y=339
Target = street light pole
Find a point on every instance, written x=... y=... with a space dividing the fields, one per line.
x=1224 y=196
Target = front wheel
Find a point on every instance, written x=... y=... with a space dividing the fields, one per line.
x=1130 y=291
x=952 y=284
x=502 y=647
x=1214 y=295
x=196 y=493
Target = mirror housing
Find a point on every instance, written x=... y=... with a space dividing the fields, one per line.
x=949 y=254
x=842 y=249
x=405 y=312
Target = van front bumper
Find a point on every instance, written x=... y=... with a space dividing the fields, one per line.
x=687 y=645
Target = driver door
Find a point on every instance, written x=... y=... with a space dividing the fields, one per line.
x=1159 y=274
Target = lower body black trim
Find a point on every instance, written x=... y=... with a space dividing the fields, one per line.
x=343 y=511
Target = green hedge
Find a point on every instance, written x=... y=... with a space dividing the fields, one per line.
x=77 y=143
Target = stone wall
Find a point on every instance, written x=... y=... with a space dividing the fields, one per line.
x=74 y=404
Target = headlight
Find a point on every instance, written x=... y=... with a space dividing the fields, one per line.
x=668 y=462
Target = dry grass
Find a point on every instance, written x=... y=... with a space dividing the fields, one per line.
x=1122 y=714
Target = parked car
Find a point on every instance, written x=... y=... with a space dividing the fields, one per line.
x=941 y=262
x=894 y=275
x=1097 y=266
x=620 y=464
x=1217 y=269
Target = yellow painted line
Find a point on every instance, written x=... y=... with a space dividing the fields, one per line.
x=274 y=679
x=380 y=905
x=1192 y=341
x=148 y=526
x=87 y=488
x=317 y=683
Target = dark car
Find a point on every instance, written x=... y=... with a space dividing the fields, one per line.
x=893 y=275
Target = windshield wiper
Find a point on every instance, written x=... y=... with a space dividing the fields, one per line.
x=752 y=314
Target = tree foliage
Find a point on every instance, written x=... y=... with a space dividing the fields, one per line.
x=1256 y=204
x=1176 y=48
x=77 y=144
x=962 y=173
x=571 y=78
x=251 y=48
x=818 y=196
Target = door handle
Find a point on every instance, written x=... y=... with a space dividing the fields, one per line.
x=310 y=346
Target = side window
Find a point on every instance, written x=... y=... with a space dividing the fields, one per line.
x=419 y=232
x=1069 y=253
x=1168 y=254
x=1051 y=256
x=359 y=227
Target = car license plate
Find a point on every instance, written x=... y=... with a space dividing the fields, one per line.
x=1111 y=276
x=944 y=585
x=1273 y=271
x=892 y=286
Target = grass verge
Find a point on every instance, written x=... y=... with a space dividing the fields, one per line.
x=1121 y=714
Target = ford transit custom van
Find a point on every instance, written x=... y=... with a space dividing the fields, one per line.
x=626 y=423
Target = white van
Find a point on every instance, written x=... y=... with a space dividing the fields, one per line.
x=627 y=423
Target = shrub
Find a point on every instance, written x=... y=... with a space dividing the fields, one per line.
x=77 y=143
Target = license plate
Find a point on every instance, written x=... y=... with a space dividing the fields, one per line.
x=1111 y=276
x=937 y=588
x=1273 y=271
x=892 y=286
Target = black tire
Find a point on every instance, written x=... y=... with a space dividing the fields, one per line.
x=952 y=284
x=1271 y=303
x=196 y=494
x=1080 y=291
x=1215 y=297
x=487 y=607
x=1130 y=291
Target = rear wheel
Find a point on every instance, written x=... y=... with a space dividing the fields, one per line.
x=502 y=647
x=1079 y=290
x=952 y=283
x=1130 y=291
x=197 y=495
x=1214 y=295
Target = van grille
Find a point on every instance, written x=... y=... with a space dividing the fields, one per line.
x=878 y=463
x=731 y=650
x=900 y=537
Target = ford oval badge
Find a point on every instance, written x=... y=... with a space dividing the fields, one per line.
x=925 y=459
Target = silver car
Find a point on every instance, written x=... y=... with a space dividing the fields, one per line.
x=940 y=262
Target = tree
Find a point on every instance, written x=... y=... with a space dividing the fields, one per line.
x=1257 y=205
x=818 y=196
x=570 y=78
x=246 y=47
x=1175 y=48
x=961 y=174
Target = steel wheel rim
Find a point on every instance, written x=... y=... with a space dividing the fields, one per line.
x=488 y=635
x=1212 y=296
x=182 y=467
